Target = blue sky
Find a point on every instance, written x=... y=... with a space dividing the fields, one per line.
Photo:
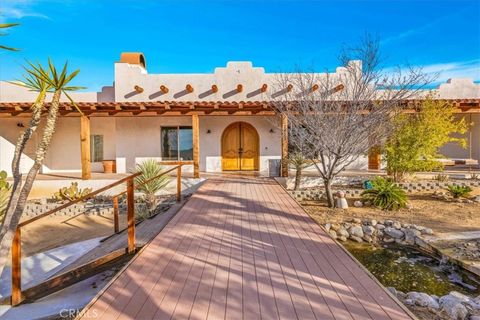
x=197 y=36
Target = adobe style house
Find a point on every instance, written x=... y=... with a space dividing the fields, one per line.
x=221 y=121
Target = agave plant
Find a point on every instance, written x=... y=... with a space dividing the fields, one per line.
x=146 y=184
x=459 y=191
x=385 y=194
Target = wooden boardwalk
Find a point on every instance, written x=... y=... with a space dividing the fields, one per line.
x=241 y=248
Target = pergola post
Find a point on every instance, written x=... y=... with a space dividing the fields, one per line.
x=196 y=146
x=284 y=163
x=85 y=147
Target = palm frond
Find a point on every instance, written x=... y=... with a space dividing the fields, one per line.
x=8 y=48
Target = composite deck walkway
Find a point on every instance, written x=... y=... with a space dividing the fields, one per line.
x=241 y=248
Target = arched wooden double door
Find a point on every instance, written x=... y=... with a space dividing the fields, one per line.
x=240 y=147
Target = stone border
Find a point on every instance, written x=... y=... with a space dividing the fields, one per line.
x=410 y=187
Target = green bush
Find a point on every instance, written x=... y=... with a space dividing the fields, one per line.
x=4 y=194
x=459 y=191
x=385 y=194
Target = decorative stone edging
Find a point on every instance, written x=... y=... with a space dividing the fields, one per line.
x=409 y=187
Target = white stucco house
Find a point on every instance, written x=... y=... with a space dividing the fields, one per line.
x=219 y=121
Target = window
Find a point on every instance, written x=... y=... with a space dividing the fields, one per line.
x=96 y=148
x=177 y=143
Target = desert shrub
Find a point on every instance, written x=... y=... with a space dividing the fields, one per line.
x=475 y=176
x=73 y=192
x=4 y=194
x=441 y=177
x=385 y=194
x=150 y=169
x=459 y=191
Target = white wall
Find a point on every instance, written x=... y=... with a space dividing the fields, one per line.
x=210 y=144
x=455 y=151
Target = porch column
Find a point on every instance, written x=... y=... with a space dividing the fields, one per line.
x=196 y=146
x=284 y=163
x=85 y=147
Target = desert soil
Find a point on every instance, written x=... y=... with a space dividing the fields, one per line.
x=440 y=215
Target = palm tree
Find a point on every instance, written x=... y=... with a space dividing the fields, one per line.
x=5 y=26
x=47 y=80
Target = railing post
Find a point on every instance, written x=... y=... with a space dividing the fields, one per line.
x=179 y=183
x=16 y=268
x=131 y=215
x=115 y=214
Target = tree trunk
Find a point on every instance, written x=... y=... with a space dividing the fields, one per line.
x=19 y=148
x=328 y=192
x=8 y=229
x=298 y=177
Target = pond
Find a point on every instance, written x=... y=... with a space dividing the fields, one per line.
x=407 y=269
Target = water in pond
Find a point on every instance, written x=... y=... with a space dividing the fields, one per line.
x=409 y=270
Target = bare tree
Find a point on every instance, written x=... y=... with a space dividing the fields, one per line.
x=336 y=117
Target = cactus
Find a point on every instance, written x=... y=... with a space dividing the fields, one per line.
x=4 y=193
x=71 y=193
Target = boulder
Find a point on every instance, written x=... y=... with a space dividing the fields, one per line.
x=328 y=226
x=379 y=226
x=424 y=300
x=367 y=238
x=335 y=226
x=333 y=234
x=477 y=199
x=356 y=231
x=392 y=290
x=373 y=222
x=342 y=238
x=427 y=231
x=368 y=230
x=341 y=203
x=356 y=220
x=410 y=235
x=358 y=204
x=341 y=232
x=357 y=239
x=454 y=309
x=388 y=223
x=397 y=225
x=394 y=233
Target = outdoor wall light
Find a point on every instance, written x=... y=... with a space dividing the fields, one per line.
x=20 y=125
x=272 y=131
x=208 y=131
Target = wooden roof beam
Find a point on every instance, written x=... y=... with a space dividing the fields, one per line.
x=164 y=89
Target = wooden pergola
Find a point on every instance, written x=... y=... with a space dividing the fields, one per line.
x=194 y=109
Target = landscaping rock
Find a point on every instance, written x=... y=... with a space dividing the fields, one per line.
x=358 y=204
x=368 y=230
x=409 y=206
x=388 y=223
x=356 y=220
x=356 y=231
x=379 y=226
x=477 y=199
x=454 y=309
x=394 y=233
x=397 y=225
x=341 y=232
x=392 y=290
x=410 y=235
x=335 y=226
x=424 y=300
x=367 y=238
x=357 y=239
x=333 y=234
x=342 y=238
x=328 y=226
x=427 y=231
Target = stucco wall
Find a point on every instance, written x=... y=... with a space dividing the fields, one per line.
x=455 y=151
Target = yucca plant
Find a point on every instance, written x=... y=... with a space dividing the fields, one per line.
x=147 y=185
x=6 y=26
x=51 y=81
x=385 y=194
x=459 y=191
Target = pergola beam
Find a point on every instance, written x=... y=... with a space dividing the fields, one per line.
x=85 y=147
x=196 y=145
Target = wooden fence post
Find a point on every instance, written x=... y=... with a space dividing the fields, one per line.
x=16 y=269
x=179 y=183
x=131 y=215
x=115 y=214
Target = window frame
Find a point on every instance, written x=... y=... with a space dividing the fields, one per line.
x=177 y=128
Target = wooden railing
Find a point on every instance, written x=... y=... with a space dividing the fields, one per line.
x=17 y=296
